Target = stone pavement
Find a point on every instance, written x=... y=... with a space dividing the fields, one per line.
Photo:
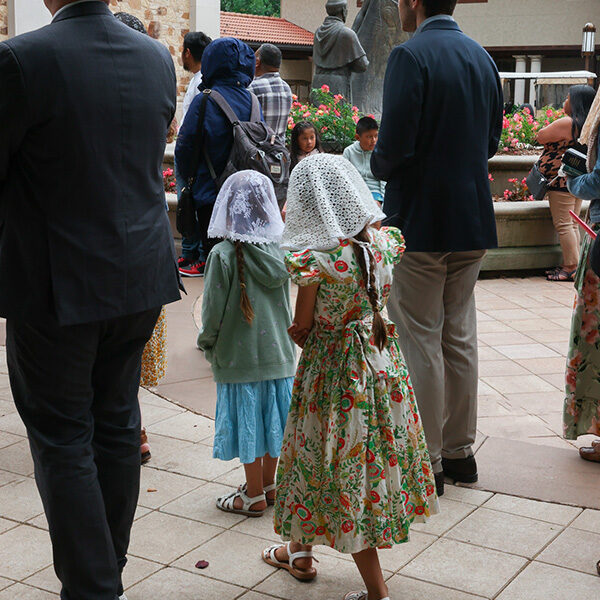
x=484 y=544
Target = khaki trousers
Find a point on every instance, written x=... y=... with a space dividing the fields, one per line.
x=568 y=231
x=433 y=305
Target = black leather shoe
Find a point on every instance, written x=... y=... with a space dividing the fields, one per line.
x=439 y=483
x=461 y=469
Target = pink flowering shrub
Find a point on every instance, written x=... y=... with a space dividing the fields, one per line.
x=334 y=118
x=519 y=129
x=169 y=180
x=518 y=193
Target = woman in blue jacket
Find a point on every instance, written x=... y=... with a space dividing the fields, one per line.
x=227 y=67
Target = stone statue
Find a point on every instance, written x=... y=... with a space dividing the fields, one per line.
x=378 y=28
x=337 y=52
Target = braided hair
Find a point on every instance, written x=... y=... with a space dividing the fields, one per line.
x=245 y=304
x=379 y=330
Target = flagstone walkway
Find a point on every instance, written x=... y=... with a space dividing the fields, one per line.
x=494 y=542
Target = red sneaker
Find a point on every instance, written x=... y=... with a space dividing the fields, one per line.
x=195 y=270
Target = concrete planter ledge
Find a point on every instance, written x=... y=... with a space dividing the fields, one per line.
x=507 y=162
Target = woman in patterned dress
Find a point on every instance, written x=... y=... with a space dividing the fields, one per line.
x=582 y=402
x=354 y=470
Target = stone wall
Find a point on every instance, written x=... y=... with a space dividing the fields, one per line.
x=3 y=20
x=167 y=21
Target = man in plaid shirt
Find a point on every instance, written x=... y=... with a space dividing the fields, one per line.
x=273 y=92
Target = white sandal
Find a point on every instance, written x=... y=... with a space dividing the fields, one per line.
x=360 y=596
x=269 y=557
x=266 y=490
x=225 y=503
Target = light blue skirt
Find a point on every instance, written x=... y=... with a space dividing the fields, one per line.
x=251 y=418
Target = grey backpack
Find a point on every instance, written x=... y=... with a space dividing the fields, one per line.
x=255 y=146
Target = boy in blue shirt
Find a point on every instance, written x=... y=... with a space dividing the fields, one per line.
x=359 y=154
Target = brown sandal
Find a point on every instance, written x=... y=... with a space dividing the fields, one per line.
x=561 y=275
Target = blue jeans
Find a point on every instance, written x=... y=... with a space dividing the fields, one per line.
x=191 y=248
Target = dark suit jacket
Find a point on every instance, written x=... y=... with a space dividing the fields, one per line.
x=85 y=105
x=442 y=120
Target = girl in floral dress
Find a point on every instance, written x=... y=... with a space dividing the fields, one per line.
x=354 y=470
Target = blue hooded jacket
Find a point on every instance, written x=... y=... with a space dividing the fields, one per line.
x=227 y=67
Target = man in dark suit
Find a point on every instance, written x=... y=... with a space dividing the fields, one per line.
x=86 y=261
x=442 y=120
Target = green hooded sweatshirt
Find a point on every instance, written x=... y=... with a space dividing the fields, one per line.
x=239 y=352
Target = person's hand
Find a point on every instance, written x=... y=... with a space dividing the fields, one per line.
x=284 y=212
x=299 y=336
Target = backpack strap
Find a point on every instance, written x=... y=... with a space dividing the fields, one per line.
x=224 y=106
x=199 y=146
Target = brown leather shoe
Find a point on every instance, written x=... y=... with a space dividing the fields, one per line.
x=592 y=452
x=144 y=446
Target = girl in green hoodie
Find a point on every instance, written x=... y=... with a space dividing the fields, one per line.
x=245 y=315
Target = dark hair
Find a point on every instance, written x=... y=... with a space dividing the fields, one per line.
x=298 y=129
x=270 y=55
x=582 y=97
x=196 y=42
x=366 y=124
x=439 y=7
x=131 y=21
x=379 y=331
x=245 y=303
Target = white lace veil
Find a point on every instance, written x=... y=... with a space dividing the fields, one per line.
x=327 y=201
x=246 y=210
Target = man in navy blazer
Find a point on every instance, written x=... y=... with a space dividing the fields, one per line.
x=441 y=122
x=86 y=261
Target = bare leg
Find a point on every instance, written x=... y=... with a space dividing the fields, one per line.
x=254 y=481
x=367 y=562
x=269 y=467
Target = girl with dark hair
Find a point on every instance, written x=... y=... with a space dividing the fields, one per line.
x=245 y=315
x=557 y=137
x=305 y=142
x=355 y=470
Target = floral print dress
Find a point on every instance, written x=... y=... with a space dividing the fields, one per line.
x=354 y=471
x=582 y=404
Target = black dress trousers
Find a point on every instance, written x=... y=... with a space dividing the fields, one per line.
x=76 y=388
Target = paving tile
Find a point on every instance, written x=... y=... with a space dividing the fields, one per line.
x=505 y=532
x=12 y=423
x=555 y=379
x=511 y=338
x=24 y=592
x=164 y=538
x=4 y=583
x=501 y=367
x=588 y=520
x=7 y=477
x=7 y=406
x=185 y=426
x=263 y=528
x=526 y=350
x=543 y=366
x=553 y=440
x=200 y=505
x=406 y=588
x=489 y=354
x=195 y=461
x=534 y=324
x=512 y=314
x=556 y=334
x=445 y=563
x=148 y=398
x=515 y=384
x=538 y=402
x=199 y=395
x=19 y=500
x=574 y=549
x=17 y=458
x=546 y=582
x=233 y=557
x=24 y=550
x=336 y=577
x=537 y=472
x=162 y=446
x=232 y=478
x=451 y=513
x=7 y=439
x=160 y=487
x=494 y=406
x=152 y=414
x=466 y=495
x=396 y=557
x=5 y=525
x=174 y=583
x=493 y=327
x=514 y=427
